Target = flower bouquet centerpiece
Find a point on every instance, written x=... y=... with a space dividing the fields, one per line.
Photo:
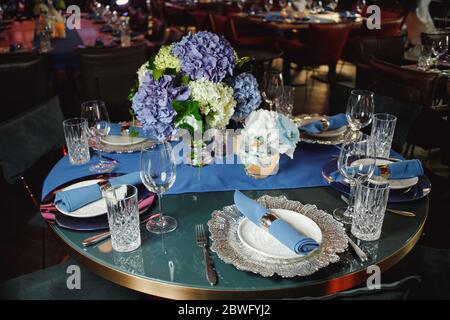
x=265 y=136
x=194 y=84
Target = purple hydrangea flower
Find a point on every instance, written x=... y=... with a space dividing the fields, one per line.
x=246 y=94
x=152 y=105
x=205 y=55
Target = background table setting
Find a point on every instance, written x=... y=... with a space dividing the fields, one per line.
x=267 y=226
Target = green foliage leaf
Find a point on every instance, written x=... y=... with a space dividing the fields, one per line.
x=157 y=74
x=241 y=61
x=186 y=109
x=133 y=90
x=185 y=79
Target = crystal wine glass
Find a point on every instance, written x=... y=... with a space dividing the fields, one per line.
x=241 y=4
x=439 y=47
x=356 y=164
x=283 y=3
x=360 y=109
x=268 y=5
x=273 y=87
x=96 y=114
x=158 y=172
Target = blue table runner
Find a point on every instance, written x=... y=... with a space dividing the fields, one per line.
x=302 y=171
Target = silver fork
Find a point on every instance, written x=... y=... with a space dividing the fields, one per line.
x=202 y=242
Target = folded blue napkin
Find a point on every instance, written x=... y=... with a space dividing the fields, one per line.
x=281 y=230
x=115 y=130
x=74 y=199
x=316 y=127
x=397 y=170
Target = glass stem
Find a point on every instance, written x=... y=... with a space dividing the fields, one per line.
x=161 y=218
x=351 y=199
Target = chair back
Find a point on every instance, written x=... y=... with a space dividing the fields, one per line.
x=31 y=135
x=221 y=26
x=173 y=34
x=326 y=41
x=390 y=49
x=388 y=27
x=201 y=20
x=108 y=74
x=25 y=82
x=402 y=84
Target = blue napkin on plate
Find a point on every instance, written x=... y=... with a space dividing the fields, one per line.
x=398 y=170
x=281 y=230
x=316 y=127
x=74 y=199
x=115 y=130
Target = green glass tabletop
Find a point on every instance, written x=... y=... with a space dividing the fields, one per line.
x=171 y=265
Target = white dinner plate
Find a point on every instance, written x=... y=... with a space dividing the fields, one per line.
x=121 y=140
x=394 y=184
x=264 y=243
x=325 y=134
x=93 y=209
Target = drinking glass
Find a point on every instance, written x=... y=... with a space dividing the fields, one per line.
x=360 y=108
x=158 y=174
x=97 y=118
x=123 y=217
x=356 y=164
x=285 y=104
x=75 y=132
x=425 y=61
x=273 y=87
x=383 y=129
x=439 y=47
x=268 y=5
x=370 y=206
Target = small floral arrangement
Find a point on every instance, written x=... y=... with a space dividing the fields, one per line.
x=267 y=134
x=193 y=84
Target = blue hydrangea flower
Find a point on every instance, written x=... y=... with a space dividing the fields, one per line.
x=205 y=55
x=152 y=105
x=246 y=94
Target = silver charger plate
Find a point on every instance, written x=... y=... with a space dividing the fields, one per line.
x=224 y=224
x=336 y=140
x=109 y=148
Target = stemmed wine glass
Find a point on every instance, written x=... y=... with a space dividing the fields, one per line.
x=273 y=87
x=360 y=109
x=158 y=172
x=241 y=4
x=356 y=164
x=283 y=3
x=360 y=6
x=96 y=114
x=268 y=5
x=439 y=47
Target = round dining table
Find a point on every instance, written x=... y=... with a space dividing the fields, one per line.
x=171 y=265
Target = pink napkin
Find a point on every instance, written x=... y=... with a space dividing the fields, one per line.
x=48 y=211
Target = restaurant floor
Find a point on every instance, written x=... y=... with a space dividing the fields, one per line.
x=20 y=240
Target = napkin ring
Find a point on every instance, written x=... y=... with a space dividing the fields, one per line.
x=325 y=124
x=267 y=219
x=104 y=186
x=384 y=171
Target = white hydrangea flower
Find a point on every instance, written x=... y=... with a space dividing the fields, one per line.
x=216 y=101
x=166 y=60
x=142 y=71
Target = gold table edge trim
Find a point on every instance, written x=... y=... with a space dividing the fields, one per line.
x=172 y=291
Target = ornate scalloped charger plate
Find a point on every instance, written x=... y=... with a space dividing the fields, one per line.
x=224 y=228
x=123 y=148
x=331 y=137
